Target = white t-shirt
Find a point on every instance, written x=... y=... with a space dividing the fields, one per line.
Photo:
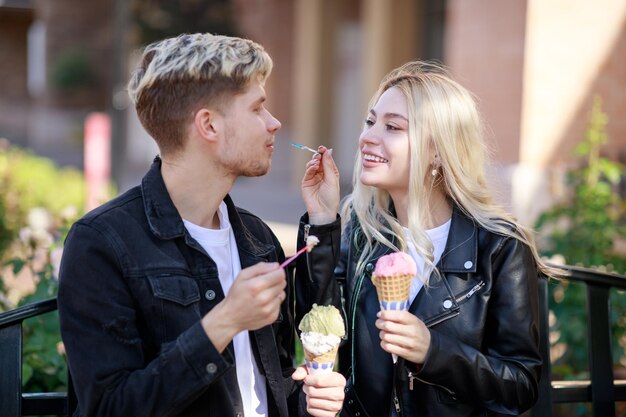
x=221 y=246
x=438 y=236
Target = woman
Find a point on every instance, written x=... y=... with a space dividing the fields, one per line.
x=468 y=345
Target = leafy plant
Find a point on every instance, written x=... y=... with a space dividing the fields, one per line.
x=35 y=256
x=584 y=230
x=38 y=203
x=28 y=181
x=43 y=368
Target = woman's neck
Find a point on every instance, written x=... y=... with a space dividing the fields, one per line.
x=439 y=213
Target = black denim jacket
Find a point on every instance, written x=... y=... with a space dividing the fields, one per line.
x=133 y=287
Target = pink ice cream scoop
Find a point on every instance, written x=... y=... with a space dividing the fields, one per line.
x=392 y=278
x=397 y=263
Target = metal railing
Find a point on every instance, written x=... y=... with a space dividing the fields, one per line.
x=14 y=403
x=601 y=390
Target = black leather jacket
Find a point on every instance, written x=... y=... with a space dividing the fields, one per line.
x=483 y=358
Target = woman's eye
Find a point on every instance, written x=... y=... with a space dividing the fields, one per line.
x=392 y=127
x=369 y=122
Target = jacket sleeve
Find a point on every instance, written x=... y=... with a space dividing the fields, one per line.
x=96 y=305
x=503 y=375
x=316 y=272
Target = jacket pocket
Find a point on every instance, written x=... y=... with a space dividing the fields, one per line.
x=174 y=305
x=179 y=289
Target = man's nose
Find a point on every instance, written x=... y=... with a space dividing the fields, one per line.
x=273 y=124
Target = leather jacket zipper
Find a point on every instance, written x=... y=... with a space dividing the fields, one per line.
x=471 y=292
x=448 y=316
x=413 y=376
x=396 y=402
x=394 y=391
x=307 y=229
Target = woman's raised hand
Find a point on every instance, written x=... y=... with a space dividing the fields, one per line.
x=320 y=187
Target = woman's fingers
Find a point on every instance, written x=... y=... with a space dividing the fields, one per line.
x=403 y=334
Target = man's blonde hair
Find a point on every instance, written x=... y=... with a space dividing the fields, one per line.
x=178 y=76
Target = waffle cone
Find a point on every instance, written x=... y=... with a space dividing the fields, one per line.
x=323 y=358
x=321 y=363
x=392 y=288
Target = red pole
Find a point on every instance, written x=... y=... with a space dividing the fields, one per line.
x=97 y=158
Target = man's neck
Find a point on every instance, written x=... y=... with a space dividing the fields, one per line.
x=195 y=189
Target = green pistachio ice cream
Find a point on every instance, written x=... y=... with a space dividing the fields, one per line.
x=324 y=320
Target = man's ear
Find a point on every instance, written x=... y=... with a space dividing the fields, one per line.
x=207 y=124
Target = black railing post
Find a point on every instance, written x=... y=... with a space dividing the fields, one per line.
x=543 y=407
x=600 y=352
x=11 y=370
x=14 y=403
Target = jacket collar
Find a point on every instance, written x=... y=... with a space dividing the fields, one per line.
x=163 y=217
x=165 y=221
x=247 y=242
x=460 y=254
x=461 y=251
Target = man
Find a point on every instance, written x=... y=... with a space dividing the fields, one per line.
x=171 y=299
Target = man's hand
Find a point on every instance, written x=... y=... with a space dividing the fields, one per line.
x=403 y=334
x=320 y=187
x=324 y=392
x=253 y=302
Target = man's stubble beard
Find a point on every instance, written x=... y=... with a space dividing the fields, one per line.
x=239 y=164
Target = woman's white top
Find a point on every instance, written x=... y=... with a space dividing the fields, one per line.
x=438 y=236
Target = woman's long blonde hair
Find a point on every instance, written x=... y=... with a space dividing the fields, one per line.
x=444 y=119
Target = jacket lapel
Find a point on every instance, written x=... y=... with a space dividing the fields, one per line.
x=436 y=302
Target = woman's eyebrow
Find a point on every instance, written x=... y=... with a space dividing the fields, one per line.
x=389 y=115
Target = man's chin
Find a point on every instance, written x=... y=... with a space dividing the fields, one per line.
x=257 y=171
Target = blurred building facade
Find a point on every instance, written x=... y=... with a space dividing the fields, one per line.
x=534 y=66
x=57 y=66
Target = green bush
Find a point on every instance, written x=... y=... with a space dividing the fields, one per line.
x=584 y=230
x=43 y=368
x=38 y=203
x=27 y=182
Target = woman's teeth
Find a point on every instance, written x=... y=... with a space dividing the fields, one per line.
x=374 y=158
